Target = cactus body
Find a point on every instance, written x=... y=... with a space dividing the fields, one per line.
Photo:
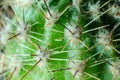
x=59 y=40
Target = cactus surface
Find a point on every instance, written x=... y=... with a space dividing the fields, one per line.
x=59 y=39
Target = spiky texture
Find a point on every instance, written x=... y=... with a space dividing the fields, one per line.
x=59 y=40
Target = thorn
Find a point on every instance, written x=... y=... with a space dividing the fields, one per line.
x=97 y=17
x=75 y=73
x=23 y=17
x=12 y=74
x=14 y=36
x=66 y=28
x=114 y=28
x=60 y=69
x=3 y=72
x=31 y=69
x=47 y=8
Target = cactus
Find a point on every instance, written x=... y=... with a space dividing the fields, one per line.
x=59 y=40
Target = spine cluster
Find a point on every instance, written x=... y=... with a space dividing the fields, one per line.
x=59 y=40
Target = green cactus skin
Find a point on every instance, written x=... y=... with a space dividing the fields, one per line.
x=59 y=40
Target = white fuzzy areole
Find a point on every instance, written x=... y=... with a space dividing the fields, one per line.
x=94 y=10
x=115 y=12
x=104 y=38
x=50 y=21
x=74 y=36
x=3 y=63
x=77 y=67
x=43 y=55
x=76 y=3
x=10 y=63
x=3 y=37
x=115 y=68
x=22 y=3
x=15 y=64
x=4 y=34
x=23 y=32
x=53 y=16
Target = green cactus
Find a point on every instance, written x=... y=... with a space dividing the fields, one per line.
x=59 y=40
